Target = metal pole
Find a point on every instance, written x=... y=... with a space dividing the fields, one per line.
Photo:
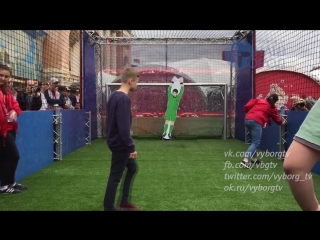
x=107 y=92
x=254 y=43
x=54 y=120
x=166 y=60
x=101 y=92
x=60 y=138
x=282 y=134
x=225 y=114
x=90 y=127
x=57 y=131
x=81 y=37
x=232 y=92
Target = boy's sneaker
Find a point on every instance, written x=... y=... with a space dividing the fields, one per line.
x=129 y=207
x=19 y=186
x=246 y=164
x=256 y=162
x=10 y=190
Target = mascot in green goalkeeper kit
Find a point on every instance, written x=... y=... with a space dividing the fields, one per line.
x=175 y=92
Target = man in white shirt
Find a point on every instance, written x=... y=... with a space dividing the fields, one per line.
x=53 y=96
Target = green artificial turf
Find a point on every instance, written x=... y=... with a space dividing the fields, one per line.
x=173 y=175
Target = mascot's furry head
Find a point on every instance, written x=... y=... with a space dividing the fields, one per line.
x=176 y=85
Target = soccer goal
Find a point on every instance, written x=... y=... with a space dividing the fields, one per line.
x=177 y=110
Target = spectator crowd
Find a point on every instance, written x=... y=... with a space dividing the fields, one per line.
x=47 y=96
x=303 y=104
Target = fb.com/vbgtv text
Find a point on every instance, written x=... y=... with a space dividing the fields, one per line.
x=262 y=165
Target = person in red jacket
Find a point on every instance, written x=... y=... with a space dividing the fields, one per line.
x=9 y=154
x=258 y=114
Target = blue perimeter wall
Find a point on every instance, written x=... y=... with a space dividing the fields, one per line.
x=35 y=138
x=35 y=142
x=271 y=135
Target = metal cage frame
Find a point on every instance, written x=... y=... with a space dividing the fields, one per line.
x=98 y=41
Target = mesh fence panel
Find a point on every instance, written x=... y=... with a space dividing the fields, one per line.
x=197 y=60
x=37 y=55
x=159 y=63
x=291 y=65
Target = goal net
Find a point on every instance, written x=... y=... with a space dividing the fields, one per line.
x=201 y=109
x=289 y=65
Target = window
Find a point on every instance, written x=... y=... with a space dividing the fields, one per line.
x=6 y=58
x=13 y=69
x=2 y=57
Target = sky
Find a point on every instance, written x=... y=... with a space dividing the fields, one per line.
x=300 y=48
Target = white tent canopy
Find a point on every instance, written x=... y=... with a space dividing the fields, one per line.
x=204 y=70
x=199 y=70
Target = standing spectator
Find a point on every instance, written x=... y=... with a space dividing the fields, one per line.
x=30 y=99
x=78 y=96
x=63 y=91
x=72 y=96
x=311 y=100
x=299 y=105
x=77 y=106
x=68 y=91
x=10 y=86
x=53 y=96
x=43 y=88
x=9 y=154
x=308 y=103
